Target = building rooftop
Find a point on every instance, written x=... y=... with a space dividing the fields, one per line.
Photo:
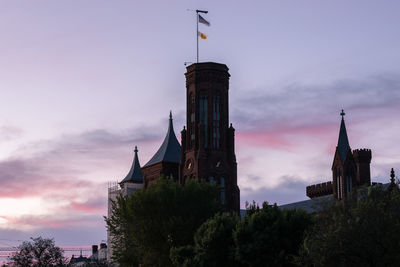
x=135 y=174
x=343 y=142
x=170 y=150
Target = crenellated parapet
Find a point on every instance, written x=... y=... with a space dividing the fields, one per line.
x=319 y=190
x=362 y=158
x=362 y=155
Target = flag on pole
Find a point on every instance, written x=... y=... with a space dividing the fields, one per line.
x=203 y=20
x=202 y=35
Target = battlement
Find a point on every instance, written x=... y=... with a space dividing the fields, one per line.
x=319 y=190
x=363 y=154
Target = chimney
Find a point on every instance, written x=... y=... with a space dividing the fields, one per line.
x=94 y=249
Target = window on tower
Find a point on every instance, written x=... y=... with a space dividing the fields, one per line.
x=211 y=179
x=338 y=184
x=191 y=128
x=216 y=121
x=203 y=117
x=222 y=190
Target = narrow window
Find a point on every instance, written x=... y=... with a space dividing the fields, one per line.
x=222 y=182
x=223 y=197
x=339 y=184
x=216 y=121
x=222 y=190
x=203 y=117
x=191 y=127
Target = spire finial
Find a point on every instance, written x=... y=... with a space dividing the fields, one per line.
x=136 y=150
x=170 y=114
x=342 y=113
x=392 y=176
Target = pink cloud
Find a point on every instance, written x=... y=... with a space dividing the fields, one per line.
x=91 y=207
x=41 y=221
x=284 y=136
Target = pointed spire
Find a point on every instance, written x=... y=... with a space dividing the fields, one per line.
x=170 y=150
x=135 y=173
x=343 y=142
x=392 y=181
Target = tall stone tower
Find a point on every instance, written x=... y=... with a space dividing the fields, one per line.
x=208 y=144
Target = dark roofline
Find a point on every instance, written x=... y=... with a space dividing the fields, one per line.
x=135 y=173
x=343 y=145
x=170 y=149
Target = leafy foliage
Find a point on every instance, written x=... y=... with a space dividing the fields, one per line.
x=362 y=232
x=120 y=226
x=40 y=252
x=269 y=236
x=213 y=244
x=148 y=223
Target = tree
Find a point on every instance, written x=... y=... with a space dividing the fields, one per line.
x=148 y=223
x=269 y=236
x=213 y=244
x=121 y=229
x=364 y=231
x=40 y=252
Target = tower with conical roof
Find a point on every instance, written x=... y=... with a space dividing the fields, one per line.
x=132 y=182
x=134 y=179
x=165 y=161
x=208 y=145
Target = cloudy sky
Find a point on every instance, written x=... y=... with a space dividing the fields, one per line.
x=83 y=82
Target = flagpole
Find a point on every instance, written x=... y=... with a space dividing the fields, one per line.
x=197 y=30
x=197 y=34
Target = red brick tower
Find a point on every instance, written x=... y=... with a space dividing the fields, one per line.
x=343 y=167
x=208 y=151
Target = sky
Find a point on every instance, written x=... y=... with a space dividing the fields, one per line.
x=83 y=82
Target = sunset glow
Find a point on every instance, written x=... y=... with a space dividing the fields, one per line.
x=83 y=82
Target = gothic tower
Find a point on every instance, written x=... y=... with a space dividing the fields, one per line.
x=350 y=170
x=208 y=151
x=343 y=167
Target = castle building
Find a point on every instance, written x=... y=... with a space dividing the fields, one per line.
x=208 y=143
x=350 y=170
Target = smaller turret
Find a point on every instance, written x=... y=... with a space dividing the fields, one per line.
x=362 y=158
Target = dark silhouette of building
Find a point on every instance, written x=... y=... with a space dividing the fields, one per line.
x=350 y=169
x=165 y=163
x=208 y=143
